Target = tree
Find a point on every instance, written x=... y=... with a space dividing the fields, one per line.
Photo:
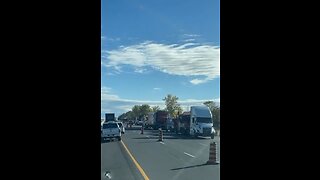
x=215 y=110
x=144 y=109
x=172 y=105
x=136 y=111
x=122 y=116
x=130 y=115
x=155 y=108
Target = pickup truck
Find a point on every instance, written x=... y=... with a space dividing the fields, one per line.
x=111 y=130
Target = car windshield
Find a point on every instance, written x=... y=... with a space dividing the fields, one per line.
x=204 y=120
x=110 y=125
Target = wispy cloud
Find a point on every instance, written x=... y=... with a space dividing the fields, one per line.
x=106 y=94
x=199 y=81
x=191 y=35
x=189 y=40
x=110 y=39
x=140 y=70
x=198 y=61
x=157 y=89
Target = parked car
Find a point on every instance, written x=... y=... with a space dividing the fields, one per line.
x=111 y=130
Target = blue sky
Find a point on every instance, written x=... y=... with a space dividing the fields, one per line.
x=151 y=48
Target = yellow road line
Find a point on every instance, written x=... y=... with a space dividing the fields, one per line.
x=136 y=163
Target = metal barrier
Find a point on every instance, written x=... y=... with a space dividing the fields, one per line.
x=213 y=154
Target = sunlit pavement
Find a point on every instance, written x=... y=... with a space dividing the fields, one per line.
x=177 y=157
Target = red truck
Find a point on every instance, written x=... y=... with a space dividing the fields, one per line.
x=183 y=123
x=160 y=120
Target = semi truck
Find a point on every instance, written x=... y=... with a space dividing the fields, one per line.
x=182 y=124
x=150 y=120
x=196 y=122
x=160 y=120
x=109 y=117
x=201 y=123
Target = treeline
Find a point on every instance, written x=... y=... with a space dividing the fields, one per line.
x=171 y=106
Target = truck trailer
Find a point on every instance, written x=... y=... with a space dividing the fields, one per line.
x=160 y=120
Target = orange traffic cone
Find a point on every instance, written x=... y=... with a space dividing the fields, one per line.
x=213 y=154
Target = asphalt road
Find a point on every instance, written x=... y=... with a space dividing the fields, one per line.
x=142 y=156
x=177 y=157
x=116 y=161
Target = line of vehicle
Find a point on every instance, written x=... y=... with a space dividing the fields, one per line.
x=136 y=163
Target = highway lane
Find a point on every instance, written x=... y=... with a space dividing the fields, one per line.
x=116 y=161
x=174 y=158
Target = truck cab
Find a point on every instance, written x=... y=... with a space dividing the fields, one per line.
x=201 y=123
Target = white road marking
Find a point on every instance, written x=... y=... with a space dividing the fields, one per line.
x=162 y=142
x=188 y=154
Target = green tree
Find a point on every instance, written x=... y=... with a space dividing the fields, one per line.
x=155 y=108
x=136 y=111
x=130 y=115
x=172 y=105
x=144 y=109
x=178 y=111
x=122 y=116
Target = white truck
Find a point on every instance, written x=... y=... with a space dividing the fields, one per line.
x=110 y=130
x=201 y=123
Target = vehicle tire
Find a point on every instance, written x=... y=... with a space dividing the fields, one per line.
x=195 y=134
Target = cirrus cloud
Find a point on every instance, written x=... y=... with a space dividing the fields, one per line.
x=190 y=59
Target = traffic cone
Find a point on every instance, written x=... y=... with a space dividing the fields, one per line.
x=213 y=154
